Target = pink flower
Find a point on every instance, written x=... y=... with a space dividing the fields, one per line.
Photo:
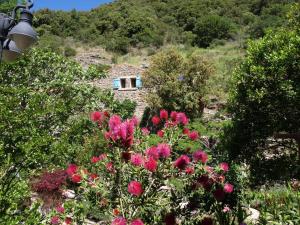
x=119 y=221
x=226 y=209
x=60 y=209
x=119 y=130
x=221 y=178
x=193 y=135
x=102 y=156
x=96 y=116
x=76 y=178
x=93 y=176
x=209 y=169
x=150 y=164
x=134 y=121
x=145 y=131
x=186 y=131
x=110 y=167
x=173 y=116
x=182 y=162
x=137 y=222
x=123 y=131
x=136 y=159
x=72 y=168
x=155 y=120
x=164 y=150
x=55 y=220
x=228 y=188
x=160 y=133
x=163 y=114
x=68 y=220
x=95 y=159
x=108 y=135
x=114 y=121
x=200 y=156
x=106 y=113
x=170 y=124
x=189 y=170
x=224 y=166
x=182 y=118
x=152 y=152
x=135 y=188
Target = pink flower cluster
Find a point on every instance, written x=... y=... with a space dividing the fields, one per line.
x=154 y=160
x=121 y=131
x=123 y=221
x=215 y=179
x=72 y=172
x=177 y=118
x=152 y=155
x=99 y=117
x=57 y=220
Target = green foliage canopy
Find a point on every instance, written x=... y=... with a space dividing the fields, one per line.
x=266 y=95
x=177 y=84
x=139 y=23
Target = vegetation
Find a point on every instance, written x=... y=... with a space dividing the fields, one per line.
x=132 y=175
x=177 y=84
x=61 y=164
x=7 y=5
x=140 y=23
x=265 y=98
x=278 y=205
x=43 y=96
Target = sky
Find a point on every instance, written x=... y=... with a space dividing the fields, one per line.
x=79 y=5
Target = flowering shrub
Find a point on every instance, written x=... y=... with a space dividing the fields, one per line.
x=133 y=182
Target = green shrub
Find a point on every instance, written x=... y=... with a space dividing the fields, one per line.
x=212 y=27
x=69 y=51
x=175 y=83
x=265 y=97
x=97 y=71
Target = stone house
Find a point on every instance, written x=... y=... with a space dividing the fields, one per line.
x=125 y=81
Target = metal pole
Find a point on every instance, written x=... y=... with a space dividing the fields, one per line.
x=1 y=50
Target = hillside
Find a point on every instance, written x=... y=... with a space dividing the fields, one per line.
x=124 y=24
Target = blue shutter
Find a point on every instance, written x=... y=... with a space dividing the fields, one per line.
x=138 y=82
x=116 y=83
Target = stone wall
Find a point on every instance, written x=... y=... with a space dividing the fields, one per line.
x=134 y=94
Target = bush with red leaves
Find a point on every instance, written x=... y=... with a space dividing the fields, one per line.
x=50 y=181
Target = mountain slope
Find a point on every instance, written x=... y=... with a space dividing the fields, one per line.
x=139 y=23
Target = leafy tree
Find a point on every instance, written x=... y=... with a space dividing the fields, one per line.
x=175 y=83
x=265 y=98
x=7 y=5
x=212 y=27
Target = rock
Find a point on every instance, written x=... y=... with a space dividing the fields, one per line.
x=253 y=217
x=69 y=194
